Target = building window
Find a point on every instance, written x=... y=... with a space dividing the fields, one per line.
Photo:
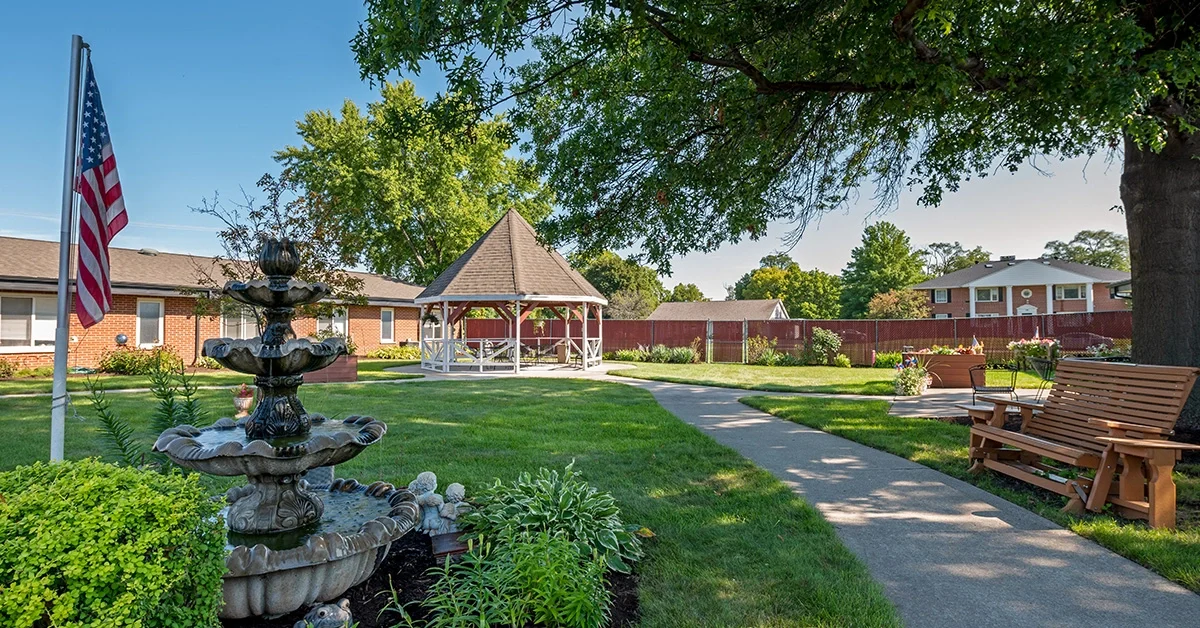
x=239 y=325
x=1026 y=293
x=941 y=295
x=1073 y=292
x=150 y=322
x=338 y=325
x=988 y=315
x=27 y=322
x=987 y=295
x=941 y=315
x=387 y=325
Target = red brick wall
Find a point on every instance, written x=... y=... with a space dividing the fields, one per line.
x=960 y=307
x=179 y=331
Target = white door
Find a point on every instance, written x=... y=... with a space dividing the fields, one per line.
x=1027 y=310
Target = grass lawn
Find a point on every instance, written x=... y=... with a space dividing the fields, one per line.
x=733 y=545
x=820 y=379
x=943 y=446
x=367 y=370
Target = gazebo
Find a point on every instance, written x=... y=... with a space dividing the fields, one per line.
x=510 y=272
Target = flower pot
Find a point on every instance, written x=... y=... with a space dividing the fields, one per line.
x=242 y=405
x=949 y=371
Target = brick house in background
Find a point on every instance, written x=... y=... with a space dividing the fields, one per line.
x=1013 y=287
x=149 y=309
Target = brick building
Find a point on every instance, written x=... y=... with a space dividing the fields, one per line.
x=1013 y=287
x=150 y=310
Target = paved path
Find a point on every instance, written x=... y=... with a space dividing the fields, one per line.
x=948 y=554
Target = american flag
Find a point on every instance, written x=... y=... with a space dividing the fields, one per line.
x=102 y=214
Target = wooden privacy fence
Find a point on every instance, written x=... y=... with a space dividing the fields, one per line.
x=725 y=341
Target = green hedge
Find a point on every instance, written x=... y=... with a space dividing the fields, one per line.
x=396 y=352
x=90 y=544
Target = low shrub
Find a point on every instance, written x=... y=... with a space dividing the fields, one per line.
x=557 y=504
x=888 y=359
x=37 y=371
x=206 y=362
x=628 y=355
x=325 y=334
x=396 y=352
x=822 y=346
x=791 y=359
x=7 y=369
x=92 y=544
x=126 y=361
x=842 y=360
x=911 y=380
x=540 y=581
x=761 y=351
x=682 y=355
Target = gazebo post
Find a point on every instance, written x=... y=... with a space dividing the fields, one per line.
x=517 y=338
x=421 y=335
x=600 y=332
x=586 y=310
x=445 y=339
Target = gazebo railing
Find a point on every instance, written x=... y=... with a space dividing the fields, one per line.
x=481 y=352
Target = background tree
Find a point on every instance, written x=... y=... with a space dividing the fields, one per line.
x=812 y=294
x=630 y=305
x=1097 y=248
x=287 y=211
x=904 y=303
x=683 y=125
x=408 y=195
x=884 y=261
x=946 y=257
x=611 y=274
x=686 y=293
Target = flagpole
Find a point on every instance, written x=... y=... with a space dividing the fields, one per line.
x=58 y=404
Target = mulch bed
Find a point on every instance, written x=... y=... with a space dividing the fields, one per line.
x=406 y=569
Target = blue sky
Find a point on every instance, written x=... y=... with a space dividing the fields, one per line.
x=200 y=95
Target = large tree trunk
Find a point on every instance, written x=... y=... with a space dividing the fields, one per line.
x=1161 y=194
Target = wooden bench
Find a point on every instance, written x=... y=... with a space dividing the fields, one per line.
x=1110 y=417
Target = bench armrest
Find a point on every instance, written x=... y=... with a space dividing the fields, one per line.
x=1118 y=428
x=1005 y=401
x=1148 y=444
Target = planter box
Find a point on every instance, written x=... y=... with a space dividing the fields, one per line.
x=949 y=371
x=343 y=369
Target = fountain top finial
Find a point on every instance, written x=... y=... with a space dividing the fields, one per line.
x=279 y=258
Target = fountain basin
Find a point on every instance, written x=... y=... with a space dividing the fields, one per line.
x=342 y=550
x=295 y=356
x=224 y=448
x=276 y=294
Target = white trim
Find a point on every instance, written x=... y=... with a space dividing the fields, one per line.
x=1060 y=291
x=391 y=339
x=1049 y=298
x=945 y=294
x=162 y=319
x=512 y=297
x=1008 y=299
x=1026 y=293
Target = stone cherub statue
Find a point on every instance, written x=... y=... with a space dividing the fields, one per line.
x=438 y=515
x=453 y=507
x=327 y=616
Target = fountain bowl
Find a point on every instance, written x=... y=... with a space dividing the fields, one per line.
x=295 y=356
x=224 y=449
x=265 y=293
x=261 y=581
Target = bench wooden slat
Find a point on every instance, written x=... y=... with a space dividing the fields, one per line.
x=1116 y=380
x=1083 y=414
x=1066 y=436
x=1048 y=448
x=1127 y=370
x=1141 y=394
x=1105 y=408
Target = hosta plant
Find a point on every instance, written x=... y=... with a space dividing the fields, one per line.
x=557 y=504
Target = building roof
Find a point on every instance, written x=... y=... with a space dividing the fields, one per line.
x=1053 y=270
x=33 y=265
x=749 y=309
x=508 y=263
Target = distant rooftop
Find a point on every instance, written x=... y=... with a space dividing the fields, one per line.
x=750 y=309
x=972 y=274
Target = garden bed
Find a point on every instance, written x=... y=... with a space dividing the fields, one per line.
x=407 y=572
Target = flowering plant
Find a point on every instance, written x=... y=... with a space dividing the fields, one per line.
x=912 y=378
x=1035 y=348
x=948 y=350
x=243 y=392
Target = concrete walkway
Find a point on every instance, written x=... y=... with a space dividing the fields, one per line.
x=948 y=554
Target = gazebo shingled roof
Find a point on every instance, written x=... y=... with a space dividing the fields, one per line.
x=508 y=263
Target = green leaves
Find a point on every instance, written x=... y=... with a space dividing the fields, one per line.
x=885 y=261
x=559 y=505
x=90 y=544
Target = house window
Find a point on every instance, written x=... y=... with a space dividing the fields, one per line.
x=941 y=295
x=941 y=315
x=27 y=322
x=988 y=315
x=987 y=295
x=1074 y=292
x=150 y=322
x=239 y=325
x=387 y=325
x=339 y=324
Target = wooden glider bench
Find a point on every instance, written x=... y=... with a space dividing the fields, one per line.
x=1110 y=417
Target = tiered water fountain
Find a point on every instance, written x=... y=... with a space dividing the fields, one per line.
x=290 y=543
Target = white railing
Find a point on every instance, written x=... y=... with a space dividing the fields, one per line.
x=482 y=352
